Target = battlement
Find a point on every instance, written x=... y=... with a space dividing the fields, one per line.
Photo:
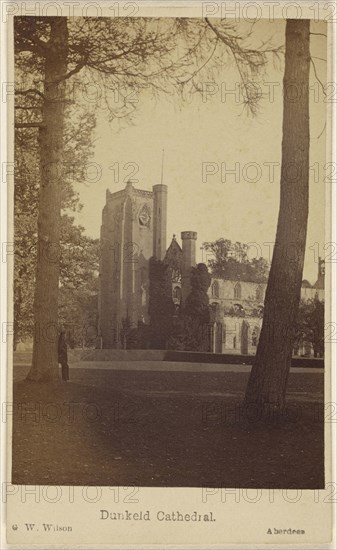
x=129 y=189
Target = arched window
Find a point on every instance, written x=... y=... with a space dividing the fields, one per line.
x=177 y=294
x=143 y=294
x=237 y=291
x=259 y=293
x=214 y=311
x=255 y=336
x=215 y=289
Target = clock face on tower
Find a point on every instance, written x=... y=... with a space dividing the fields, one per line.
x=144 y=216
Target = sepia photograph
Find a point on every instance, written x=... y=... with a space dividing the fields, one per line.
x=170 y=323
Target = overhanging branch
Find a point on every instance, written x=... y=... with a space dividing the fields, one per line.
x=31 y=91
x=29 y=125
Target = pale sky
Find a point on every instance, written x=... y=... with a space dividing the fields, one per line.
x=214 y=130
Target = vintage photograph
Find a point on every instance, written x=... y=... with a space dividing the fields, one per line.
x=169 y=251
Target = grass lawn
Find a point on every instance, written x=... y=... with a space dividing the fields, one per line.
x=164 y=429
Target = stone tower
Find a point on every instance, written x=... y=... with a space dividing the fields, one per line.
x=126 y=246
x=159 y=220
x=189 y=239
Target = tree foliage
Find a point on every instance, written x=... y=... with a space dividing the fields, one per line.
x=310 y=325
x=230 y=261
x=161 y=306
x=190 y=328
x=197 y=302
x=79 y=263
x=78 y=292
x=188 y=334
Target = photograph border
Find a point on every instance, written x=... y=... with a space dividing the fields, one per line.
x=84 y=514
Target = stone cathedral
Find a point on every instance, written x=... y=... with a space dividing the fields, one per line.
x=134 y=228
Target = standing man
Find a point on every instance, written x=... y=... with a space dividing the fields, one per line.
x=63 y=355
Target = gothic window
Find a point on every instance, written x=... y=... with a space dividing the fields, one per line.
x=175 y=276
x=321 y=266
x=237 y=291
x=234 y=342
x=177 y=294
x=215 y=289
x=254 y=338
x=143 y=295
x=259 y=293
x=214 y=310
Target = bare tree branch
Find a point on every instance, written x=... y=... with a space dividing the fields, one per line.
x=203 y=64
x=322 y=132
x=317 y=78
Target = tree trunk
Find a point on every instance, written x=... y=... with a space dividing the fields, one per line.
x=45 y=361
x=268 y=379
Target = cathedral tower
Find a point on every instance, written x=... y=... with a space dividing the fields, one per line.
x=126 y=247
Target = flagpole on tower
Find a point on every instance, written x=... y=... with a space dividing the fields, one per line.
x=162 y=166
